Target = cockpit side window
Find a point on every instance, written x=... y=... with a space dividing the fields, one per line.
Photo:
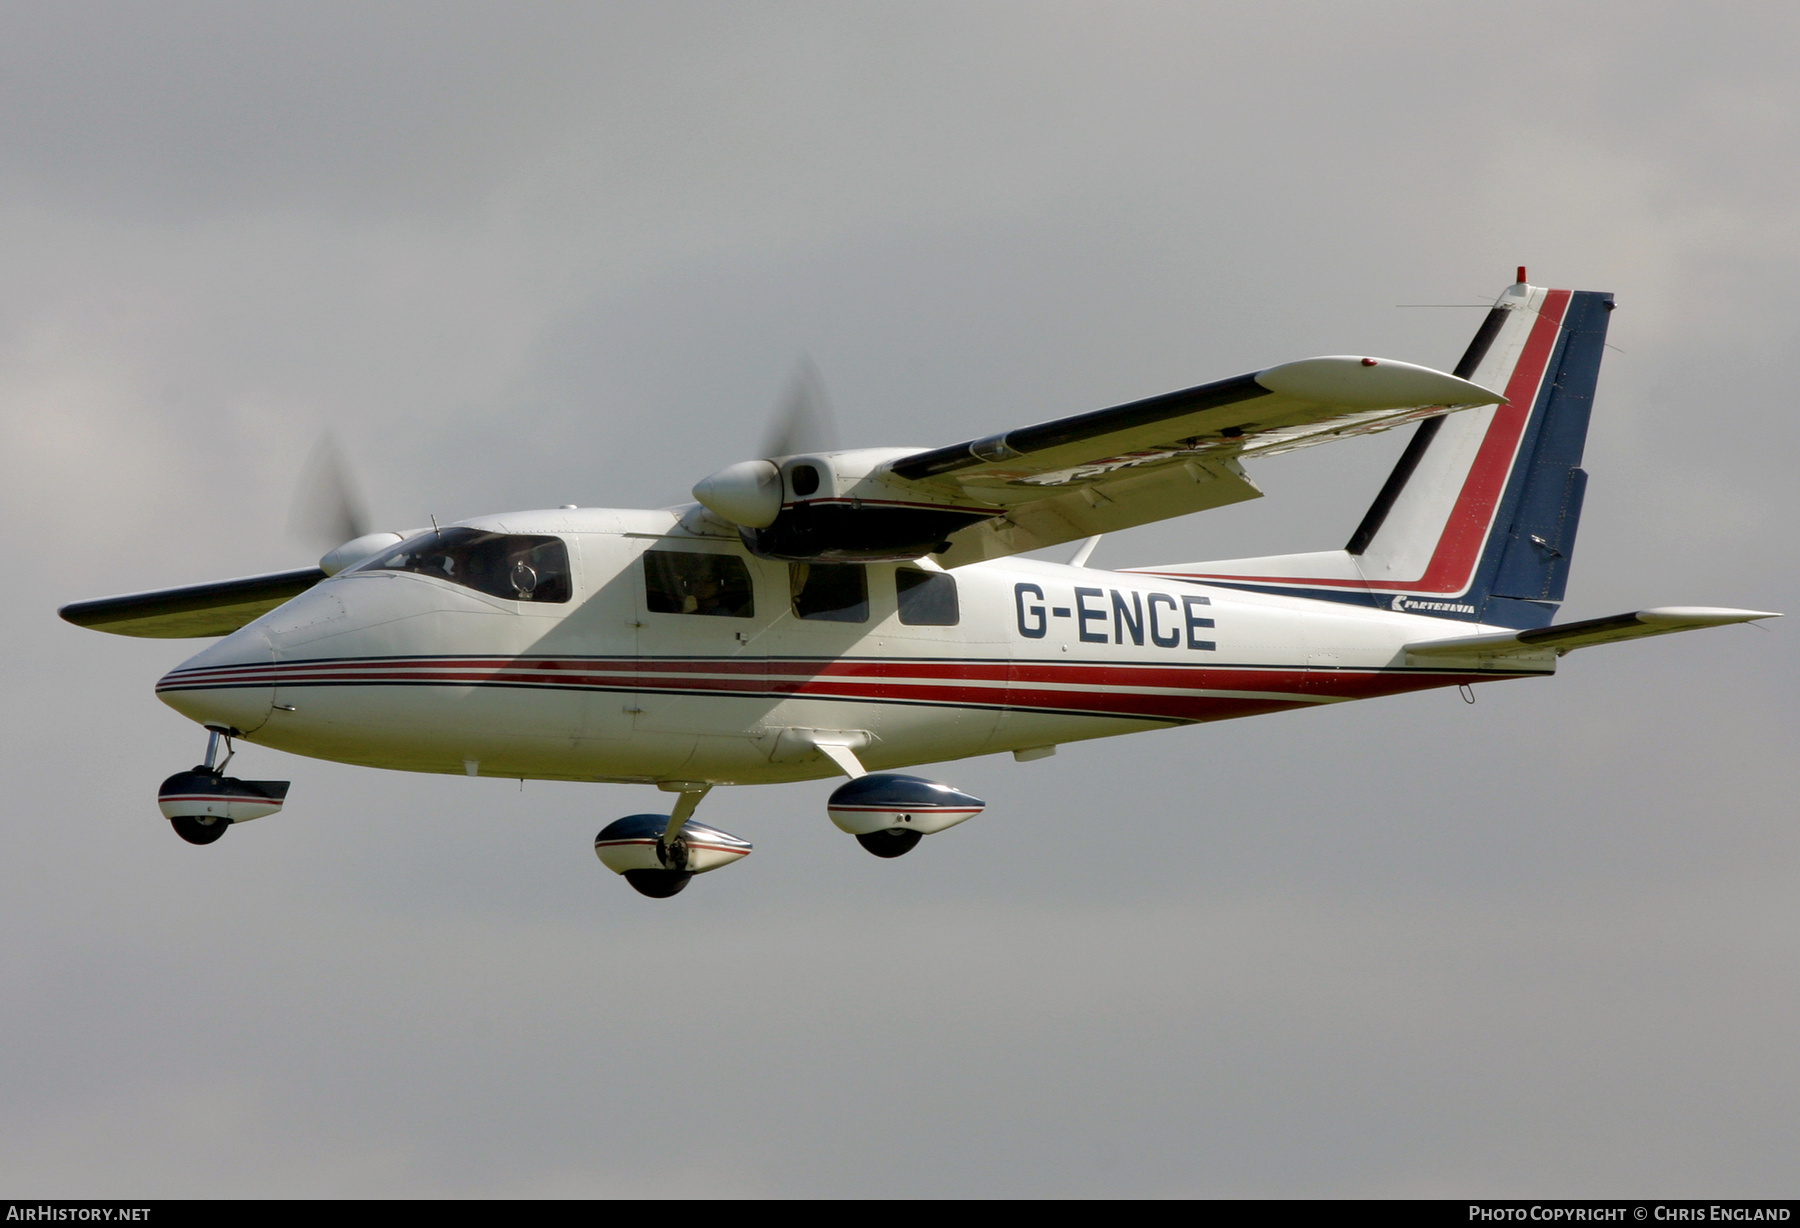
x=509 y=565
x=684 y=582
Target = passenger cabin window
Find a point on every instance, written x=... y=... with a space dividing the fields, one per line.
x=927 y=598
x=680 y=582
x=830 y=592
x=499 y=564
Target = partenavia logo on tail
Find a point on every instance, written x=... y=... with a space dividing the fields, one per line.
x=1403 y=603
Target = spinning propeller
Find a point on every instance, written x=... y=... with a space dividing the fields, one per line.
x=803 y=420
x=749 y=493
x=329 y=512
x=328 y=508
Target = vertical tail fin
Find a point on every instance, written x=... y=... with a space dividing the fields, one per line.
x=1477 y=520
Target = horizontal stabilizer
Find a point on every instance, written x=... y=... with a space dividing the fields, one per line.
x=194 y=611
x=1570 y=636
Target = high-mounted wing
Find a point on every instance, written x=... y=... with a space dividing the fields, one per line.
x=1074 y=477
x=1173 y=454
x=194 y=611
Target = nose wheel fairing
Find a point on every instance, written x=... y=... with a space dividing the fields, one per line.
x=202 y=802
x=203 y=794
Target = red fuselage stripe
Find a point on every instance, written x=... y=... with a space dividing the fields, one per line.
x=1150 y=691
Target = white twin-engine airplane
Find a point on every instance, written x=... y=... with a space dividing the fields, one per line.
x=858 y=612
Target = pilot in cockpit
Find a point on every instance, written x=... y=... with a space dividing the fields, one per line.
x=703 y=596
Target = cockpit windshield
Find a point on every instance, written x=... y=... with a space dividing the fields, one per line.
x=507 y=565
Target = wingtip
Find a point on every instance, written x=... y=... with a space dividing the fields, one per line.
x=1702 y=615
x=1346 y=379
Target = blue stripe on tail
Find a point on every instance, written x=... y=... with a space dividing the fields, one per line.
x=1525 y=565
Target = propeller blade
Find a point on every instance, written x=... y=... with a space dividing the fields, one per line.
x=803 y=421
x=328 y=507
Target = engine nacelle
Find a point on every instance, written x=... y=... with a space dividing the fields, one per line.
x=201 y=794
x=893 y=801
x=834 y=506
x=356 y=550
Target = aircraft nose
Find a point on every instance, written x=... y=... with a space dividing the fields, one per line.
x=231 y=683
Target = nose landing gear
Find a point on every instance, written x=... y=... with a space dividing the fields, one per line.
x=203 y=802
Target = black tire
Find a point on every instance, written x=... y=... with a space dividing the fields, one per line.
x=200 y=831
x=657 y=884
x=894 y=842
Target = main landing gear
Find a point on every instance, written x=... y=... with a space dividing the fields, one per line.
x=659 y=853
x=890 y=812
x=887 y=812
x=203 y=802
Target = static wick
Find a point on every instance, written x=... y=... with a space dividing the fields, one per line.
x=434 y=527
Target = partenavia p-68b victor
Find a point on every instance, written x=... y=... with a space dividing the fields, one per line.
x=859 y=612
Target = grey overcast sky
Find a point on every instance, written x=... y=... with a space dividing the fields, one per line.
x=521 y=255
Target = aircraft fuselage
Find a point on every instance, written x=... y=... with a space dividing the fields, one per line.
x=396 y=669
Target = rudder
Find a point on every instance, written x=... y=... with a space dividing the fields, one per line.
x=1531 y=563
